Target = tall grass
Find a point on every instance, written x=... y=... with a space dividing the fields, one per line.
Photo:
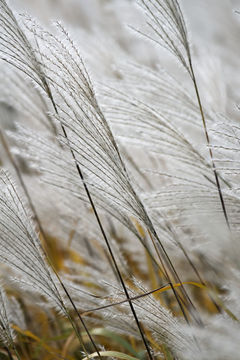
x=119 y=194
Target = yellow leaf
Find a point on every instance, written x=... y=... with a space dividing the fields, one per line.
x=34 y=337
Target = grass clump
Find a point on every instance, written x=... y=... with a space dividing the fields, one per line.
x=119 y=194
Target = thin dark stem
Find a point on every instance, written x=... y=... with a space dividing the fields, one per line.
x=111 y=254
x=22 y=183
x=8 y=352
x=32 y=207
x=81 y=319
x=191 y=264
x=164 y=257
x=209 y=143
x=165 y=272
x=101 y=227
x=137 y=297
x=16 y=352
x=198 y=276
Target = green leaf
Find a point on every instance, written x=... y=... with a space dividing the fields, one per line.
x=118 y=340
